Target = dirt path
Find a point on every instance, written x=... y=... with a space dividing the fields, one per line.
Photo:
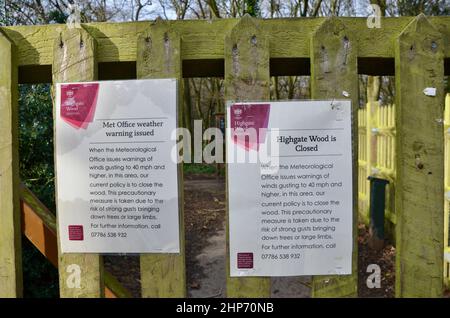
x=204 y=215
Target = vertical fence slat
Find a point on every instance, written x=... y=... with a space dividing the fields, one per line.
x=10 y=229
x=334 y=73
x=364 y=161
x=371 y=108
x=420 y=160
x=159 y=56
x=446 y=187
x=247 y=78
x=74 y=60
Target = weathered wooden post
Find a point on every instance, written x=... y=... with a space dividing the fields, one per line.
x=159 y=56
x=447 y=189
x=74 y=60
x=419 y=191
x=247 y=78
x=10 y=229
x=334 y=75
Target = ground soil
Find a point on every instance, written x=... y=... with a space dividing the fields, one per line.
x=205 y=250
x=384 y=258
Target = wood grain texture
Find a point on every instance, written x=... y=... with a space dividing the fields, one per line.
x=10 y=230
x=204 y=39
x=334 y=71
x=159 y=56
x=74 y=60
x=247 y=78
x=420 y=161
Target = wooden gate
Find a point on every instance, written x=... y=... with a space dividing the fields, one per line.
x=247 y=52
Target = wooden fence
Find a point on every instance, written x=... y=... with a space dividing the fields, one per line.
x=247 y=52
x=376 y=131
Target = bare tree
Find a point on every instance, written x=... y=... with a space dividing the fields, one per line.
x=57 y=11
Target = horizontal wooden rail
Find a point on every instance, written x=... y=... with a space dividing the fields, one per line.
x=203 y=44
x=39 y=226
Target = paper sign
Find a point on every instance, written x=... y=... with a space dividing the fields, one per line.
x=290 y=211
x=117 y=184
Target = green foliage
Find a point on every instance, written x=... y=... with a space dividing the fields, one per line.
x=252 y=8
x=57 y=16
x=36 y=171
x=39 y=276
x=36 y=141
x=429 y=7
x=3 y=19
x=197 y=168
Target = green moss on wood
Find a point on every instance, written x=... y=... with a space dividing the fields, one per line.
x=333 y=71
x=10 y=229
x=204 y=39
x=74 y=61
x=159 y=56
x=247 y=78
x=419 y=189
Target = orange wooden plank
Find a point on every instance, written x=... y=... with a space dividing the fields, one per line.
x=42 y=235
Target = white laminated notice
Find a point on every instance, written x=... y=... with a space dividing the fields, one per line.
x=290 y=188
x=117 y=185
